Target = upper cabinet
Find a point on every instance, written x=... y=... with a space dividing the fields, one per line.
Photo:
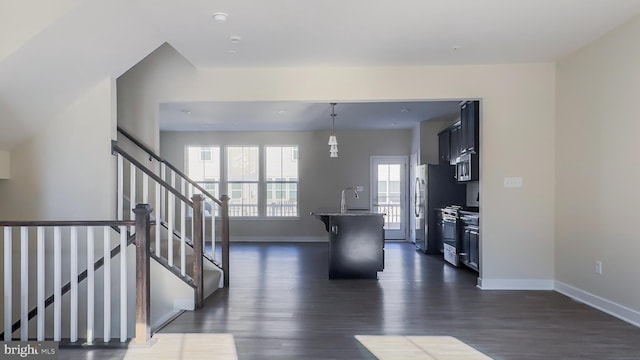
x=459 y=144
x=444 y=140
x=455 y=142
x=470 y=121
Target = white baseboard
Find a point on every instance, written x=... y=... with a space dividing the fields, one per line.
x=515 y=284
x=620 y=311
x=292 y=239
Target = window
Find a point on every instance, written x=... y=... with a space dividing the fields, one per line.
x=252 y=193
x=281 y=180
x=203 y=166
x=243 y=175
x=389 y=184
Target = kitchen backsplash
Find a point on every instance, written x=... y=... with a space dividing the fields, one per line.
x=473 y=193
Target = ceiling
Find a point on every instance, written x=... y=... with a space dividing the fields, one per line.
x=366 y=33
x=299 y=116
x=294 y=33
x=84 y=42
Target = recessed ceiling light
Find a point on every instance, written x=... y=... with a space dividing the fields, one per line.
x=235 y=39
x=185 y=111
x=282 y=112
x=220 y=17
x=405 y=110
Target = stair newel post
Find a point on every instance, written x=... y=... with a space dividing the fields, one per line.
x=143 y=309
x=198 y=251
x=225 y=237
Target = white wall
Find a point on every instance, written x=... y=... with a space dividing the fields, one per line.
x=139 y=88
x=517 y=136
x=321 y=178
x=5 y=164
x=20 y=20
x=65 y=172
x=597 y=171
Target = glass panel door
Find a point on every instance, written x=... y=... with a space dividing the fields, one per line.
x=388 y=193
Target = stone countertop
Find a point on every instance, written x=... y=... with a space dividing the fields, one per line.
x=354 y=212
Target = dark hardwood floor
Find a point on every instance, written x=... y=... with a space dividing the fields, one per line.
x=281 y=305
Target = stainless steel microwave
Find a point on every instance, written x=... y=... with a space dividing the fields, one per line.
x=467 y=167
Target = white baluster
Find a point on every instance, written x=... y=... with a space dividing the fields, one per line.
x=123 y=283
x=90 y=284
x=73 y=274
x=145 y=188
x=204 y=226
x=132 y=197
x=8 y=295
x=157 y=217
x=183 y=234
x=170 y=219
x=214 y=206
x=57 y=284
x=120 y=197
x=107 y=283
x=40 y=270
x=24 y=283
x=163 y=175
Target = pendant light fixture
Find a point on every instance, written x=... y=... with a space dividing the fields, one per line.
x=333 y=141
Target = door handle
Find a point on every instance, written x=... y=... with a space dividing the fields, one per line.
x=334 y=229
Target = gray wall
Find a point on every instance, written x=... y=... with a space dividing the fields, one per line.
x=517 y=134
x=321 y=178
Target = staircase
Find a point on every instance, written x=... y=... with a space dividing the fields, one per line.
x=175 y=242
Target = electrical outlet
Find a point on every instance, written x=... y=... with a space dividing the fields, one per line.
x=599 y=267
x=513 y=182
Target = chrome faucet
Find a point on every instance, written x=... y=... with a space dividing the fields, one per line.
x=343 y=202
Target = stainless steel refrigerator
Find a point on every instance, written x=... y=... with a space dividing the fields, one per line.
x=435 y=187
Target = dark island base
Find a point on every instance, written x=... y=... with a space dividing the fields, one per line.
x=345 y=275
x=356 y=245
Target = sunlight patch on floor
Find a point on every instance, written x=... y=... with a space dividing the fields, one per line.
x=419 y=348
x=186 y=346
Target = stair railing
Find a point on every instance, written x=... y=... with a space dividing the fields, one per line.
x=170 y=173
x=176 y=216
x=50 y=238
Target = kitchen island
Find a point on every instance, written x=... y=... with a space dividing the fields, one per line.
x=356 y=243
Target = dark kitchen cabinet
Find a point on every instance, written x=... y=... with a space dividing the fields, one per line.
x=470 y=121
x=444 y=138
x=470 y=244
x=455 y=142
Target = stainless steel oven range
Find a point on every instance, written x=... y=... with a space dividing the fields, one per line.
x=450 y=234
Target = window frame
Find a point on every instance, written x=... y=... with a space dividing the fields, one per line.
x=228 y=182
x=224 y=183
x=295 y=155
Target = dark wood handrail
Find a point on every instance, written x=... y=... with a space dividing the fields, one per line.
x=139 y=143
x=168 y=164
x=116 y=149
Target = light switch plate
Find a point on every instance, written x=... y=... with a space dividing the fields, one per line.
x=513 y=182
x=359 y=188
